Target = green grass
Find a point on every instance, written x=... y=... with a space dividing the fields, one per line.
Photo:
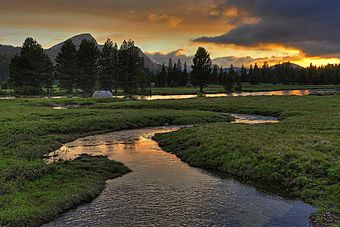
x=300 y=154
x=66 y=185
x=32 y=192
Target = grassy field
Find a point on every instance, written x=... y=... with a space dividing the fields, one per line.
x=32 y=192
x=301 y=154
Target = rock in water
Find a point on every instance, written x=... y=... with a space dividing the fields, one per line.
x=102 y=94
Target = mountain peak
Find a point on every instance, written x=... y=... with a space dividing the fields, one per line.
x=76 y=40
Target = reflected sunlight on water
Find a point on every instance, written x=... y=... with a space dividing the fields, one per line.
x=163 y=191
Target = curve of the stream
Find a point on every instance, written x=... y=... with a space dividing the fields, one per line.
x=161 y=190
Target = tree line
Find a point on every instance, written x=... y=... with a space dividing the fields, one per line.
x=85 y=68
x=232 y=79
x=291 y=74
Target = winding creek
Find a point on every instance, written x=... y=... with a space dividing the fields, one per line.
x=161 y=190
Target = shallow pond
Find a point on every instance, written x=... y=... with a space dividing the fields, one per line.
x=164 y=191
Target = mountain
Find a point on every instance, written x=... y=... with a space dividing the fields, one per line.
x=6 y=54
x=292 y=65
x=9 y=51
x=54 y=50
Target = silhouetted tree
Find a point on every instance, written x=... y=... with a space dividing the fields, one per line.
x=32 y=69
x=214 y=75
x=108 y=66
x=131 y=68
x=201 y=68
x=230 y=78
x=66 y=66
x=243 y=76
x=87 y=57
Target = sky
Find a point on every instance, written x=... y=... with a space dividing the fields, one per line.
x=234 y=31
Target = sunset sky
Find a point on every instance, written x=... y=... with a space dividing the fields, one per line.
x=234 y=31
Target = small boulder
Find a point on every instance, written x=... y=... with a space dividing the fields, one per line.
x=102 y=95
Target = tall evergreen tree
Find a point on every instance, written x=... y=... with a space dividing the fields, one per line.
x=256 y=74
x=87 y=57
x=201 y=68
x=170 y=73
x=163 y=77
x=32 y=69
x=221 y=76
x=214 y=75
x=66 y=67
x=230 y=79
x=131 y=65
x=186 y=75
x=243 y=76
x=108 y=66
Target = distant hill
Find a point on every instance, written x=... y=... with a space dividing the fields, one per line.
x=6 y=54
x=292 y=65
x=9 y=51
x=54 y=50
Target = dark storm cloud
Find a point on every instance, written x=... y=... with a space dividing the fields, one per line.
x=310 y=25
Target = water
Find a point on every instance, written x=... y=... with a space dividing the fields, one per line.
x=163 y=191
x=260 y=93
x=254 y=119
x=242 y=94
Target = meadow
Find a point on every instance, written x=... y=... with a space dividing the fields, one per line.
x=33 y=192
x=300 y=154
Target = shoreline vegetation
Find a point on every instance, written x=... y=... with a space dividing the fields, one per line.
x=33 y=192
x=211 y=89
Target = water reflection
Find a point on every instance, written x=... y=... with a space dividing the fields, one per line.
x=163 y=191
x=239 y=94
x=254 y=119
x=260 y=93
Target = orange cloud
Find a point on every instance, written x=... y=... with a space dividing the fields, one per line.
x=172 y=21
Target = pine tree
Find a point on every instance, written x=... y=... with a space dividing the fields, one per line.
x=107 y=66
x=131 y=65
x=250 y=74
x=87 y=57
x=243 y=74
x=214 y=75
x=201 y=68
x=221 y=76
x=186 y=75
x=32 y=69
x=170 y=73
x=230 y=79
x=254 y=79
x=66 y=67
x=163 y=77
x=180 y=78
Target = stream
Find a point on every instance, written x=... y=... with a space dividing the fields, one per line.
x=162 y=190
